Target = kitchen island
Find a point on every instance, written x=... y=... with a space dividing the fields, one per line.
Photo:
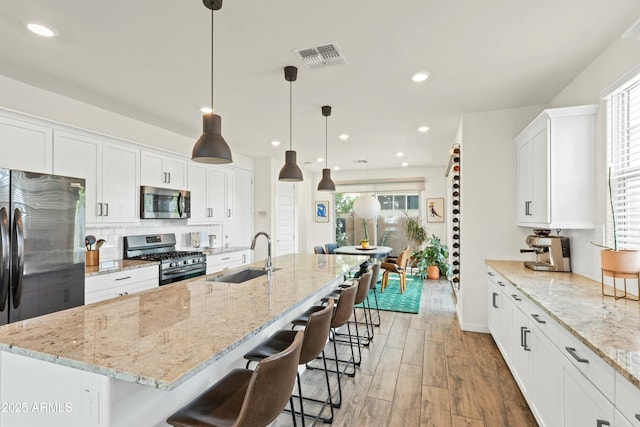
x=136 y=359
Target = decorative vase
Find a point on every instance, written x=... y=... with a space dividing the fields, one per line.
x=433 y=272
x=620 y=262
x=364 y=245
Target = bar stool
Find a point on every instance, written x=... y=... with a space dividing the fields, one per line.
x=375 y=274
x=318 y=250
x=316 y=334
x=341 y=316
x=363 y=285
x=245 y=398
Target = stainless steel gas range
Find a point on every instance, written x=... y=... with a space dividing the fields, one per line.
x=174 y=265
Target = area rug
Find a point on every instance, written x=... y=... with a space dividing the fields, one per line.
x=392 y=300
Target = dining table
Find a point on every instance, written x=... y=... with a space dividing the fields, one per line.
x=371 y=251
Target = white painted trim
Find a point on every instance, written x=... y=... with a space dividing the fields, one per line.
x=474 y=327
x=623 y=80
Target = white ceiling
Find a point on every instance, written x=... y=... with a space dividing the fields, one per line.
x=150 y=60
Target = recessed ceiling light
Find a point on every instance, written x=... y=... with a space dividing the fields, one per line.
x=336 y=168
x=399 y=154
x=206 y=110
x=423 y=129
x=343 y=136
x=275 y=143
x=320 y=159
x=405 y=164
x=420 y=77
x=41 y=30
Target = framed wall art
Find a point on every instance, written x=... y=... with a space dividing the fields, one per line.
x=322 y=211
x=435 y=210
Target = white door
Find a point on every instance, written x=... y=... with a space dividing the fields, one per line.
x=285 y=218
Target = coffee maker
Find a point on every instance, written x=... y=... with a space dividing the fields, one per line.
x=553 y=253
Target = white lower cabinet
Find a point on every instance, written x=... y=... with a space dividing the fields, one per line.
x=225 y=261
x=546 y=384
x=627 y=402
x=564 y=382
x=111 y=285
x=584 y=405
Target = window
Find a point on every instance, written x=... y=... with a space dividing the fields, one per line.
x=624 y=161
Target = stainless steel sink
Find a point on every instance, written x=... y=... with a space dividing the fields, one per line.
x=240 y=276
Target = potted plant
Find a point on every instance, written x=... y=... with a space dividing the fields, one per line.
x=612 y=259
x=432 y=260
x=415 y=231
x=364 y=243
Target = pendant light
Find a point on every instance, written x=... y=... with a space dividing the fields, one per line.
x=290 y=172
x=326 y=183
x=211 y=146
x=366 y=205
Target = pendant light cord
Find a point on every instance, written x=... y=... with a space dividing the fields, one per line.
x=326 y=143
x=212 y=60
x=290 y=115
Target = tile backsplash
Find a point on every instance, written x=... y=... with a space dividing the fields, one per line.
x=113 y=234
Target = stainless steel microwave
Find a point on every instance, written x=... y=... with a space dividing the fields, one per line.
x=160 y=203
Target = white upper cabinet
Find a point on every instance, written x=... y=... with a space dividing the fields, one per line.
x=161 y=170
x=110 y=171
x=212 y=194
x=555 y=169
x=27 y=146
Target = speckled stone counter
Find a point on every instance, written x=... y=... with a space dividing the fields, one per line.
x=609 y=327
x=162 y=337
x=116 y=266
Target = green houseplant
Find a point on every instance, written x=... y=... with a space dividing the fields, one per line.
x=433 y=259
x=415 y=231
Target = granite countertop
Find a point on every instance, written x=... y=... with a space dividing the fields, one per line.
x=107 y=267
x=609 y=327
x=164 y=336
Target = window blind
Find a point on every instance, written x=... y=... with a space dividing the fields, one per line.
x=624 y=161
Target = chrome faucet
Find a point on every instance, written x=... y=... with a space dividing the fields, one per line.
x=267 y=262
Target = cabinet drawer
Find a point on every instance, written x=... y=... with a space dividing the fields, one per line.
x=587 y=362
x=518 y=299
x=121 y=278
x=628 y=400
x=234 y=258
x=544 y=322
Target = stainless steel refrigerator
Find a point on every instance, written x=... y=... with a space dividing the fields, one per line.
x=42 y=253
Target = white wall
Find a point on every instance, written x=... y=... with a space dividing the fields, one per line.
x=488 y=204
x=617 y=60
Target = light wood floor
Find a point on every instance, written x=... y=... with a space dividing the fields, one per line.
x=422 y=370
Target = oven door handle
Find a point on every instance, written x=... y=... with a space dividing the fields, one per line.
x=187 y=270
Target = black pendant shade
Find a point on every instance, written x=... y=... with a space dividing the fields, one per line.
x=290 y=172
x=211 y=147
x=326 y=183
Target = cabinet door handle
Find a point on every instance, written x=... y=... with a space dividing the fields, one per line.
x=527 y=208
x=600 y=423
x=537 y=318
x=516 y=297
x=493 y=300
x=228 y=213
x=522 y=328
x=244 y=258
x=106 y=209
x=169 y=177
x=524 y=339
x=99 y=209
x=572 y=352
x=123 y=278
x=490 y=274
x=501 y=284
x=225 y=258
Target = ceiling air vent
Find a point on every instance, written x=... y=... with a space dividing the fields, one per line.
x=319 y=56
